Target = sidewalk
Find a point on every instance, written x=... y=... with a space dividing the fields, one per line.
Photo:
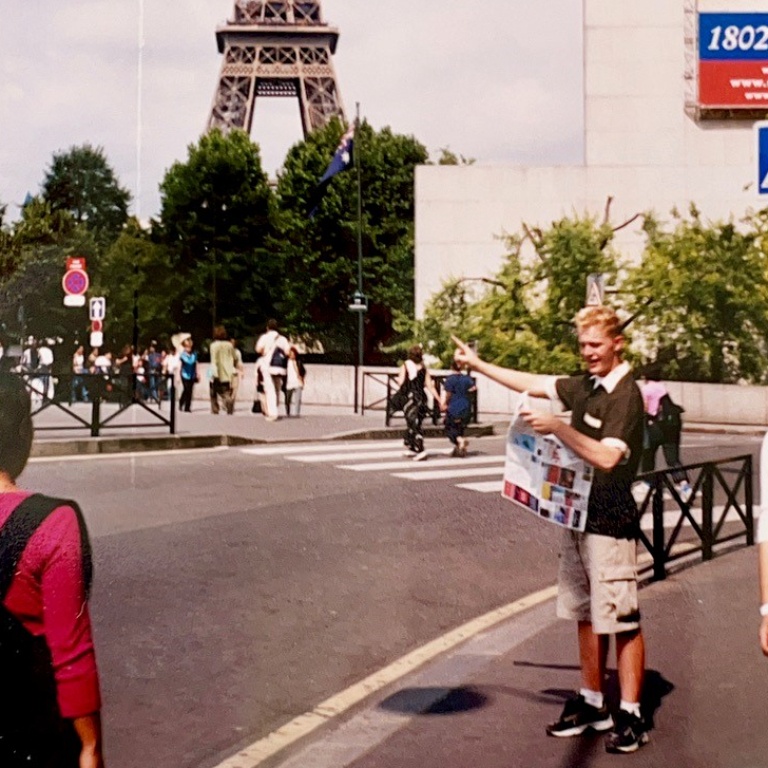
x=485 y=704
x=201 y=428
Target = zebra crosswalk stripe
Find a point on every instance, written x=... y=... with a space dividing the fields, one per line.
x=447 y=462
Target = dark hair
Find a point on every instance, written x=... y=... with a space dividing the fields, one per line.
x=415 y=353
x=653 y=372
x=271 y=324
x=456 y=365
x=15 y=425
x=220 y=333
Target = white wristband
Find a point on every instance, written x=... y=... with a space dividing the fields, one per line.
x=764 y=609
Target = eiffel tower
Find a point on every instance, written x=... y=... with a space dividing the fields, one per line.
x=276 y=48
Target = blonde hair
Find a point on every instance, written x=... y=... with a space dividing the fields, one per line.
x=602 y=316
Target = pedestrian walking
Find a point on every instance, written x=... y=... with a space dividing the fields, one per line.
x=239 y=370
x=78 y=390
x=188 y=374
x=295 y=374
x=223 y=369
x=414 y=381
x=456 y=403
x=272 y=348
x=597 y=581
x=50 y=704
x=663 y=429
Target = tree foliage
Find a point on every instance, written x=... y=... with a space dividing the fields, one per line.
x=81 y=182
x=216 y=221
x=702 y=294
x=321 y=253
x=522 y=318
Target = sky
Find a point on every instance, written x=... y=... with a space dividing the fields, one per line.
x=499 y=81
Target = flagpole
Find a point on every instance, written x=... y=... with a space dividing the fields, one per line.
x=360 y=324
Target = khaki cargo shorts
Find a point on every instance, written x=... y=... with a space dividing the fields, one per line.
x=597 y=582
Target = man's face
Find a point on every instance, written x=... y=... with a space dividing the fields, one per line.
x=600 y=352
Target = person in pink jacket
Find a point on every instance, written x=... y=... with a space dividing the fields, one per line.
x=45 y=619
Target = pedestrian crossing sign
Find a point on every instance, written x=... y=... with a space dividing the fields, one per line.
x=595 y=290
x=761 y=146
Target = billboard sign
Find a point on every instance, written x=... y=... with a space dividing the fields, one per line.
x=733 y=60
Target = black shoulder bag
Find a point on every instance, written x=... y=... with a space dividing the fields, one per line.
x=33 y=733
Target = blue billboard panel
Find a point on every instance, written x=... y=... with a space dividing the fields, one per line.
x=733 y=36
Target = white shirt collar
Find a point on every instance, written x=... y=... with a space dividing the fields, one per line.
x=610 y=381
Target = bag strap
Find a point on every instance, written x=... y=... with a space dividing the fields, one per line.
x=22 y=523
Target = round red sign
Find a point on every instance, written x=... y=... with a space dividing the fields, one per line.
x=75 y=282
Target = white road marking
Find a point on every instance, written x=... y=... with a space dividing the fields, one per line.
x=286 y=448
x=450 y=462
x=485 y=486
x=394 y=453
x=449 y=474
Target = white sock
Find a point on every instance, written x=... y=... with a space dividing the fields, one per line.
x=593 y=698
x=633 y=707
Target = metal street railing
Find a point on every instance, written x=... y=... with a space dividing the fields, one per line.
x=718 y=511
x=94 y=401
x=386 y=386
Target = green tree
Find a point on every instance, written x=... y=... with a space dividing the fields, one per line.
x=81 y=182
x=321 y=253
x=137 y=275
x=701 y=291
x=216 y=220
x=522 y=318
x=31 y=296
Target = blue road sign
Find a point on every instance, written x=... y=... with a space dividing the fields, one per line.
x=761 y=143
x=97 y=308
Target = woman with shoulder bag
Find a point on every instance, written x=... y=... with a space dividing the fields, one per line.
x=661 y=432
x=414 y=380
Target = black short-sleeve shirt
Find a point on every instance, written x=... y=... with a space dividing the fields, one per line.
x=600 y=414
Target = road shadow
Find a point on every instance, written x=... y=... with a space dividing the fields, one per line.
x=435 y=700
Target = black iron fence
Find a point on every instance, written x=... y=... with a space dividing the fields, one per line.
x=717 y=511
x=385 y=385
x=94 y=401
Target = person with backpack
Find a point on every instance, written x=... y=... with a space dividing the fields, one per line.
x=272 y=348
x=51 y=702
x=663 y=429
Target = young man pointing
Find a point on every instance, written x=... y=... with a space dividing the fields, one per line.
x=597 y=580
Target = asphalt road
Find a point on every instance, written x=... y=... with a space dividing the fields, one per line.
x=234 y=590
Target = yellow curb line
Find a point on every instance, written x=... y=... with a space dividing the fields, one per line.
x=300 y=726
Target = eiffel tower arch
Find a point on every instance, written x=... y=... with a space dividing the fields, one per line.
x=276 y=48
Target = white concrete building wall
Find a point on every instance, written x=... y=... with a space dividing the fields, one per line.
x=641 y=149
x=333 y=385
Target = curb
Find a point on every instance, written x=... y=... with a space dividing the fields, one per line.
x=97 y=446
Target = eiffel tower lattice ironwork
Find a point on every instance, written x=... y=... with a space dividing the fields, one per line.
x=276 y=48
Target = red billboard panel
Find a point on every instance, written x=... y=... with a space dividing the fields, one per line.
x=733 y=84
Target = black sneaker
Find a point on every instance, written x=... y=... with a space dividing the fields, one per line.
x=628 y=735
x=578 y=716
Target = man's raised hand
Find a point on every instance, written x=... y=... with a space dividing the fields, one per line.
x=464 y=353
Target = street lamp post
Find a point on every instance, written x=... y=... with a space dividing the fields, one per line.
x=359 y=302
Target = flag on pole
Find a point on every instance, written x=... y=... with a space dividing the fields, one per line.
x=342 y=159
